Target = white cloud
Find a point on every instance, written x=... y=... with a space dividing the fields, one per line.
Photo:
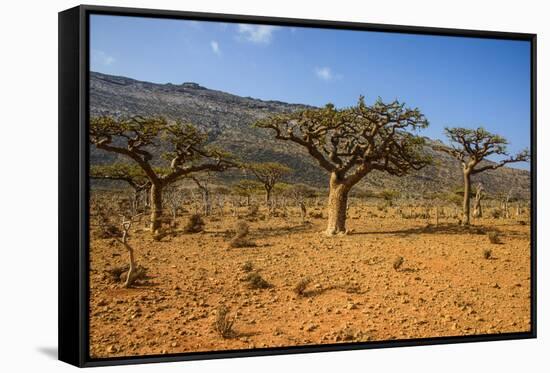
x=259 y=34
x=102 y=58
x=324 y=73
x=215 y=47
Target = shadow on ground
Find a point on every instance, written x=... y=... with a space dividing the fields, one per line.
x=431 y=229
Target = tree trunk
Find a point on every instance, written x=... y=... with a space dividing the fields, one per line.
x=303 y=211
x=135 y=202
x=156 y=207
x=268 y=201
x=206 y=201
x=147 y=197
x=478 y=213
x=267 y=197
x=337 y=206
x=466 y=202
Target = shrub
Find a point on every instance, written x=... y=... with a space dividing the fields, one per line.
x=398 y=262
x=487 y=253
x=493 y=237
x=248 y=267
x=223 y=324
x=301 y=286
x=316 y=215
x=119 y=273
x=110 y=231
x=253 y=210
x=240 y=239
x=256 y=281
x=195 y=224
x=495 y=213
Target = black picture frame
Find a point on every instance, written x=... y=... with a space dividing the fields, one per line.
x=74 y=183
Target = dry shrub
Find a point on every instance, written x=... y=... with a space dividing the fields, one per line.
x=241 y=233
x=398 y=262
x=224 y=324
x=301 y=286
x=253 y=210
x=316 y=215
x=248 y=267
x=495 y=213
x=110 y=231
x=119 y=273
x=494 y=237
x=487 y=253
x=256 y=281
x=195 y=224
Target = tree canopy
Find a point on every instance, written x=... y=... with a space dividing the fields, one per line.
x=353 y=141
x=130 y=173
x=135 y=137
x=471 y=146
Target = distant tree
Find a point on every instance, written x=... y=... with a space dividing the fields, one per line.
x=126 y=225
x=299 y=193
x=470 y=147
x=130 y=173
x=389 y=195
x=350 y=143
x=173 y=196
x=268 y=174
x=246 y=188
x=203 y=182
x=478 y=212
x=137 y=137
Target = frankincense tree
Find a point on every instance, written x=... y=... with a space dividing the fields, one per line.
x=142 y=139
x=350 y=143
x=470 y=147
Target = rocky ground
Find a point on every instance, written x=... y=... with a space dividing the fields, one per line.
x=446 y=285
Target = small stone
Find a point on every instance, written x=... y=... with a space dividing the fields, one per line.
x=311 y=328
x=112 y=349
x=351 y=306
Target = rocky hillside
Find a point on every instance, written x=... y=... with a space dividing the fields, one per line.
x=227 y=119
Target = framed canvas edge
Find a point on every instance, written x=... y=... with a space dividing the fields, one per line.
x=79 y=289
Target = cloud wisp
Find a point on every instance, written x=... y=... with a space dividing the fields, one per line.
x=102 y=58
x=324 y=73
x=257 y=34
x=215 y=47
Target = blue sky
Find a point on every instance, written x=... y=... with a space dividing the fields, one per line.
x=454 y=81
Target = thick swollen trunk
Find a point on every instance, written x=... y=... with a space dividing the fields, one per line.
x=156 y=207
x=466 y=202
x=337 y=206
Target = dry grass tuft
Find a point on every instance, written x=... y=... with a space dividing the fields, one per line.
x=248 y=267
x=301 y=286
x=224 y=324
x=494 y=237
x=195 y=224
x=398 y=262
x=241 y=233
x=256 y=281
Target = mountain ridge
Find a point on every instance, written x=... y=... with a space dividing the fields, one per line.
x=227 y=118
